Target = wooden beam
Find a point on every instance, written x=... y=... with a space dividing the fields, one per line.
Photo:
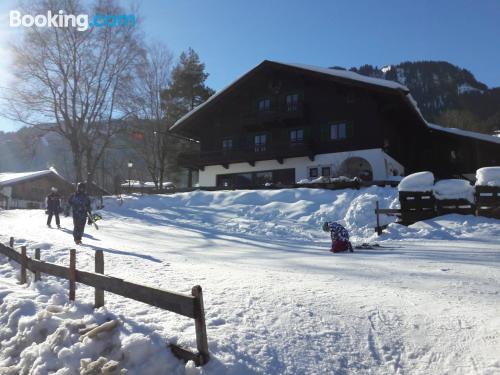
x=37 y=257
x=99 y=268
x=24 y=265
x=200 y=326
x=72 y=274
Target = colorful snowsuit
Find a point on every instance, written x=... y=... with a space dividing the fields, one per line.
x=80 y=205
x=53 y=201
x=340 y=238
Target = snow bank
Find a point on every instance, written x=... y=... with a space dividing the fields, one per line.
x=454 y=189
x=489 y=176
x=41 y=333
x=287 y=213
x=420 y=181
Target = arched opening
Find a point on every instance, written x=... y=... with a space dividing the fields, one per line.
x=356 y=167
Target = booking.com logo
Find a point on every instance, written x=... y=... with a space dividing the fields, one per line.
x=61 y=19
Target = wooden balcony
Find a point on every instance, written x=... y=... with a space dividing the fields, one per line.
x=273 y=151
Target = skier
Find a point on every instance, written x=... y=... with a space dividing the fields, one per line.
x=80 y=206
x=339 y=235
x=53 y=203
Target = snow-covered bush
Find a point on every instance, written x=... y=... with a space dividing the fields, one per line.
x=454 y=189
x=488 y=176
x=420 y=181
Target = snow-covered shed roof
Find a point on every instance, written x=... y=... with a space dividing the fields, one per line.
x=11 y=178
x=465 y=133
x=341 y=75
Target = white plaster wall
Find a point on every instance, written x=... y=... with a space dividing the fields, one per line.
x=381 y=164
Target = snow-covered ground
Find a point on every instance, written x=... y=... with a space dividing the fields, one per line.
x=277 y=302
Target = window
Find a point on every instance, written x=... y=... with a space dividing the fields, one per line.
x=227 y=144
x=264 y=105
x=325 y=171
x=313 y=172
x=260 y=142
x=340 y=130
x=262 y=178
x=297 y=136
x=292 y=102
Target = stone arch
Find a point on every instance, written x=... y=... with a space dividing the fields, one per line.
x=357 y=167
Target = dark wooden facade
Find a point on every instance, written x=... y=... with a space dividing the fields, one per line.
x=376 y=116
x=33 y=191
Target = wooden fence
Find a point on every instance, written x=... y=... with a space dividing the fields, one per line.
x=417 y=206
x=190 y=306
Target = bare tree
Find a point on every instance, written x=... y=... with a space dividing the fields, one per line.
x=152 y=142
x=76 y=81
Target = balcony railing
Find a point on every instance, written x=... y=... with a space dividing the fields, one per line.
x=251 y=154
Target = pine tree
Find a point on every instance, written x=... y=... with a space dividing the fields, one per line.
x=187 y=89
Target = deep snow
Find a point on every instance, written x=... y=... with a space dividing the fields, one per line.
x=277 y=302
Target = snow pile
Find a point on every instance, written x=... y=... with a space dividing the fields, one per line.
x=454 y=189
x=489 y=176
x=287 y=213
x=420 y=181
x=41 y=333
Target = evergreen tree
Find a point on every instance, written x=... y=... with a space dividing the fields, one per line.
x=187 y=89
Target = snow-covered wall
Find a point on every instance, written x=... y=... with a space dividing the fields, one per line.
x=383 y=166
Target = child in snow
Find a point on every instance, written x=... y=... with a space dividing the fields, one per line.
x=340 y=237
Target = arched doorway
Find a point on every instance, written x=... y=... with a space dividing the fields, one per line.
x=356 y=167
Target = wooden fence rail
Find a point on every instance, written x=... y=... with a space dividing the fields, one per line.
x=190 y=306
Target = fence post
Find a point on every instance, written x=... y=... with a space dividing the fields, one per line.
x=37 y=257
x=24 y=262
x=379 y=230
x=11 y=242
x=72 y=274
x=200 y=326
x=99 y=268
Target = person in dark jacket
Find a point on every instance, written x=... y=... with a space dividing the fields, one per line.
x=53 y=202
x=339 y=235
x=80 y=206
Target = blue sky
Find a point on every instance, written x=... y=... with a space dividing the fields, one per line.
x=232 y=36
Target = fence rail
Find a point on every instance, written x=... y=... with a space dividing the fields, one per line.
x=190 y=306
x=417 y=206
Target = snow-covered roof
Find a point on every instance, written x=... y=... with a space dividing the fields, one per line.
x=465 y=133
x=352 y=76
x=10 y=178
x=339 y=73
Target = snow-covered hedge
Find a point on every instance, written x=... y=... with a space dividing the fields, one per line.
x=488 y=176
x=454 y=189
x=420 y=181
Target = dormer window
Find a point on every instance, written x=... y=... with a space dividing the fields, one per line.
x=292 y=102
x=264 y=105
